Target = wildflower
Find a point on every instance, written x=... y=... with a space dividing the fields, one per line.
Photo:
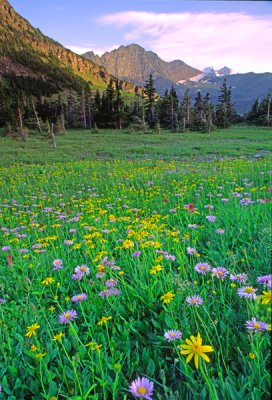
x=70 y=242
x=220 y=272
x=2 y=301
x=252 y=356
x=57 y=263
x=68 y=316
x=31 y=330
x=172 y=335
x=256 y=326
x=167 y=297
x=127 y=244
x=194 y=300
x=142 y=388
x=136 y=254
x=155 y=269
x=192 y=226
x=191 y=250
x=104 y=320
x=202 y=268
x=47 y=281
x=5 y=248
x=220 y=231
x=195 y=349
x=58 y=336
x=266 y=280
x=94 y=346
x=248 y=292
x=239 y=277
x=111 y=282
x=33 y=348
x=79 y=297
x=40 y=355
x=266 y=297
x=82 y=269
x=211 y=218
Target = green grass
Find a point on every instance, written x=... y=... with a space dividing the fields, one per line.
x=111 y=144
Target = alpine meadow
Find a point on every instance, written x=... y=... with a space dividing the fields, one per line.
x=135 y=201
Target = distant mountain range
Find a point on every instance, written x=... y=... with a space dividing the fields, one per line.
x=134 y=63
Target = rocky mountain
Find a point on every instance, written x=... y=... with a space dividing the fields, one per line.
x=29 y=57
x=135 y=64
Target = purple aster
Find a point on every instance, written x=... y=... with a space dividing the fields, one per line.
x=142 y=388
x=239 y=277
x=136 y=254
x=202 y=268
x=248 y=292
x=172 y=335
x=111 y=282
x=82 y=269
x=72 y=230
x=105 y=293
x=70 y=242
x=2 y=301
x=191 y=250
x=57 y=263
x=192 y=226
x=220 y=231
x=5 y=248
x=23 y=251
x=211 y=218
x=194 y=300
x=256 y=326
x=79 y=297
x=67 y=316
x=77 y=277
x=220 y=272
x=265 y=280
x=100 y=275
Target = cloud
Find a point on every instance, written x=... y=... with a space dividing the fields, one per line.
x=238 y=40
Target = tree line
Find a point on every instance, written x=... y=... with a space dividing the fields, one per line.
x=23 y=107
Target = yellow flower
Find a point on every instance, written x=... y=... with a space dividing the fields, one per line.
x=167 y=297
x=47 y=281
x=52 y=308
x=40 y=355
x=233 y=284
x=155 y=269
x=33 y=348
x=58 y=336
x=252 y=356
x=266 y=297
x=94 y=346
x=103 y=320
x=31 y=330
x=195 y=349
x=127 y=244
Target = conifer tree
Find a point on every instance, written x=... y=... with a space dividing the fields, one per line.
x=150 y=92
x=225 y=112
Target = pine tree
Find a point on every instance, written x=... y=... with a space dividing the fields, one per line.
x=150 y=92
x=225 y=112
x=185 y=111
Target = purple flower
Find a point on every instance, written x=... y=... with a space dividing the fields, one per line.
x=100 y=275
x=248 y=292
x=82 y=269
x=220 y=272
x=72 y=230
x=192 y=226
x=77 y=277
x=79 y=297
x=111 y=282
x=5 y=248
x=57 y=263
x=142 y=388
x=202 y=268
x=23 y=251
x=2 y=301
x=191 y=250
x=136 y=254
x=67 y=316
x=194 y=300
x=239 y=277
x=256 y=326
x=220 y=231
x=266 y=280
x=211 y=218
x=170 y=336
x=70 y=242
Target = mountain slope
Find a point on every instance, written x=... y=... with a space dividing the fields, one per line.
x=26 y=53
x=134 y=63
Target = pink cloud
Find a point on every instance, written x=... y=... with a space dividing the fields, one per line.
x=238 y=40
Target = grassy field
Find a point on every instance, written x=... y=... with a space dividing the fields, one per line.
x=85 y=145
x=137 y=275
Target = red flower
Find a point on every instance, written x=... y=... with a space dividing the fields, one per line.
x=10 y=260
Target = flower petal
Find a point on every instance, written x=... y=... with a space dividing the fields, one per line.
x=188 y=359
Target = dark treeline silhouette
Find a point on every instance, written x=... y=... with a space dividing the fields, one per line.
x=31 y=103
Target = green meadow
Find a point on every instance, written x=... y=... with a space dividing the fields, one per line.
x=127 y=255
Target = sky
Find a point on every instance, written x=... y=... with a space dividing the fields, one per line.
x=237 y=34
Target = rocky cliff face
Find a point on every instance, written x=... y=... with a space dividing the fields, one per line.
x=25 y=50
x=136 y=64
